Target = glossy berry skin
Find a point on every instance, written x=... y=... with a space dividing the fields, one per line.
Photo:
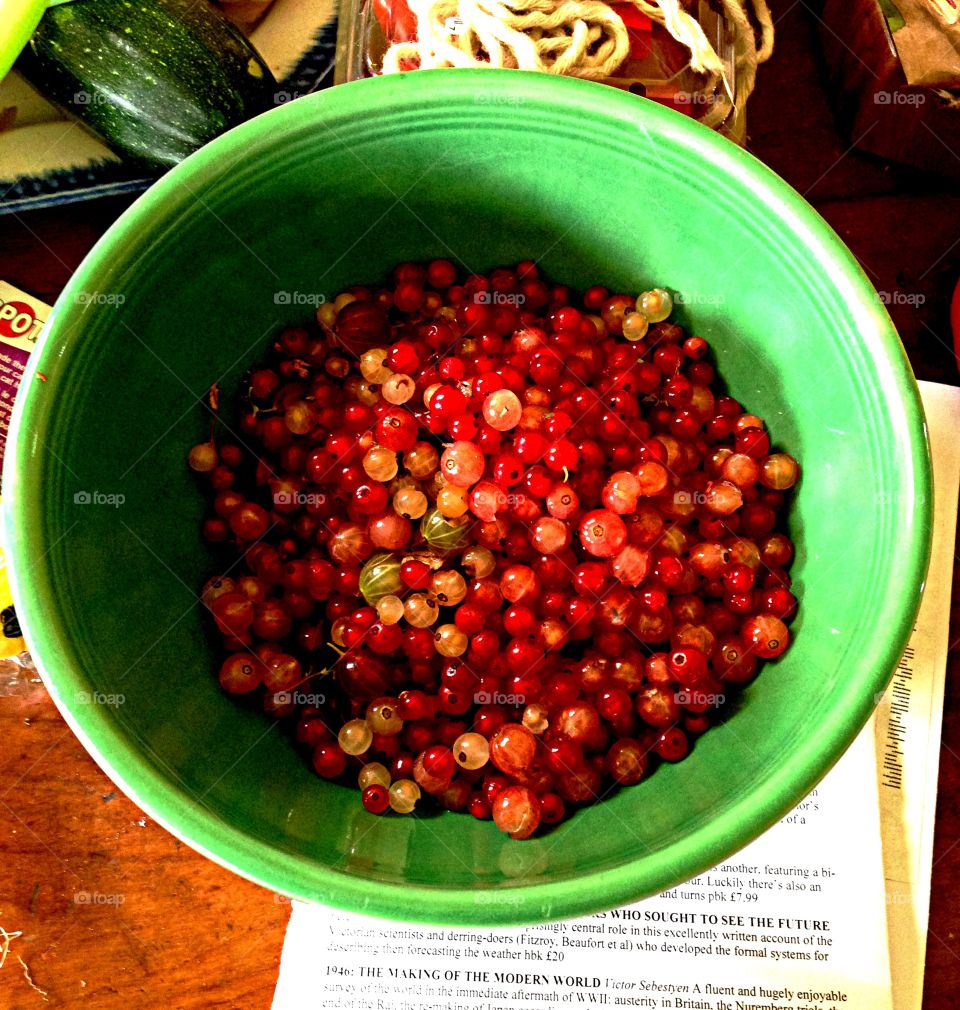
x=249 y=521
x=502 y=409
x=621 y=492
x=580 y=723
x=688 y=665
x=519 y=584
x=738 y=578
x=779 y=471
x=233 y=613
x=630 y=566
x=657 y=706
x=396 y=429
x=672 y=744
x=462 y=464
x=780 y=602
x=433 y=769
x=590 y=578
x=441 y=274
x=512 y=748
x=552 y=808
x=615 y=705
x=376 y=799
x=329 y=761
x=626 y=761
x=549 y=535
x=562 y=502
x=415 y=575
x=241 y=673
x=516 y=811
x=602 y=533
x=439 y=761
x=403 y=358
x=447 y=403
x=765 y=635
x=752 y=442
x=543 y=540
x=471 y=751
x=479 y=807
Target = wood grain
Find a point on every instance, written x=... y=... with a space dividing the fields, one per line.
x=114 y=912
x=189 y=935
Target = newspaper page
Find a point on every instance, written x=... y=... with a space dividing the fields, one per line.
x=795 y=920
x=909 y=717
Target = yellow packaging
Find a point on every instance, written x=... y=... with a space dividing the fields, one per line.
x=21 y=319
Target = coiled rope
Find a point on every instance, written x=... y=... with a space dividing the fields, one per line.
x=578 y=38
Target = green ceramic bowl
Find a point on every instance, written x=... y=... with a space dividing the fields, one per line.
x=486 y=167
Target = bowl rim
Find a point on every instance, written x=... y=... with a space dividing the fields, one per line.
x=296 y=876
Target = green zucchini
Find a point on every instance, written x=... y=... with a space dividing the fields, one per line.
x=156 y=79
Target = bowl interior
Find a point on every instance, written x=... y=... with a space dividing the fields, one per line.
x=486 y=168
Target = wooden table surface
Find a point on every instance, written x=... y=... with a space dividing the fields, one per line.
x=189 y=934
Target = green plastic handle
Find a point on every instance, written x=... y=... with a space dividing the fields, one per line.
x=18 y=19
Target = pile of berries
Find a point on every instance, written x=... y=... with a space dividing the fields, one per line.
x=494 y=544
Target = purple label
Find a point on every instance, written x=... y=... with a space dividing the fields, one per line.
x=13 y=360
